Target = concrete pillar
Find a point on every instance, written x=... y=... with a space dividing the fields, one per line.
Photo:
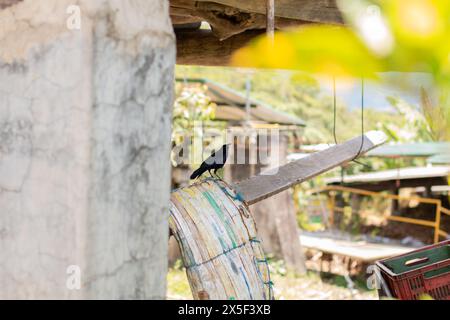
x=85 y=118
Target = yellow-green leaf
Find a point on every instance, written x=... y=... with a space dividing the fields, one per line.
x=318 y=49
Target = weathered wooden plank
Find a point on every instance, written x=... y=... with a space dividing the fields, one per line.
x=227 y=21
x=201 y=47
x=229 y=17
x=263 y=186
x=361 y=250
x=321 y=11
x=183 y=16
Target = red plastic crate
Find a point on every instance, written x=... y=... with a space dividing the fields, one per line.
x=423 y=271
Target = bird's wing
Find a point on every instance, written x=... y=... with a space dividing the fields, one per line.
x=217 y=157
x=211 y=160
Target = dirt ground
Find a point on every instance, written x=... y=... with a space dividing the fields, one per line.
x=286 y=287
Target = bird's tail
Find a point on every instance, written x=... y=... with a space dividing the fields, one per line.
x=196 y=173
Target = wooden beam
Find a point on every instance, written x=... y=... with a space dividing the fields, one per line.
x=260 y=187
x=228 y=21
x=193 y=26
x=186 y=4
x=391 y=184
x=321 y=11
x=183 y=16
x=183 y=20
x=201 y=47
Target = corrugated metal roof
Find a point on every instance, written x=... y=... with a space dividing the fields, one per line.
x=395 y=174
x=439 y=159
x=231 y=105
x=421 y=149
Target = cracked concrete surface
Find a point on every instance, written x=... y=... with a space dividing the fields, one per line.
x=84 y=148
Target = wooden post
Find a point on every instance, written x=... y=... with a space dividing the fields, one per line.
x=270 y=16
x=332 y=204
x=277 y=223
x=437 y=222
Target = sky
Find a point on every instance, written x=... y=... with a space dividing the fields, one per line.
x=375 y=93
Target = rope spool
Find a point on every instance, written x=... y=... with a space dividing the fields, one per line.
x=218 y=242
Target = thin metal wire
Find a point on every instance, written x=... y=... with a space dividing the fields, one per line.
x=268 y=283
x=334 y=110
x=362 y=117
x=362 y=123
x=362 y=127
x=334 y=124
x=223 y=253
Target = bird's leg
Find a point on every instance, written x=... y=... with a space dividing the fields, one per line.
x=215 y=173
x=209 y=170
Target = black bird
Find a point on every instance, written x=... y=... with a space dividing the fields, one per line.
x=215 y=161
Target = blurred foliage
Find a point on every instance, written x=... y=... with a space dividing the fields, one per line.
x=277 y=267
x=383 y=35
x=418 y=125
x=191 y=105
x=177 y=282
x=437 y=118
x=299 y=94
x=414 y=126
x=302 y=203
x=306 y=50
